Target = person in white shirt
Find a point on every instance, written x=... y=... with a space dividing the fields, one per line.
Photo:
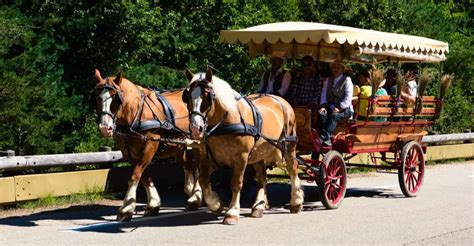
x=336 y=101
x=275 y=80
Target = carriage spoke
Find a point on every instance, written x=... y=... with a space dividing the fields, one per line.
x=415 y=178
x=412 y=183
x=337 y=170
x=333 y=193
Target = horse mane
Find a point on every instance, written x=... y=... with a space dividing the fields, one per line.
x=224 y=93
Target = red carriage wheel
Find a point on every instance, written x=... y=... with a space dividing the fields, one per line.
x=332 y=179
x=412 y=170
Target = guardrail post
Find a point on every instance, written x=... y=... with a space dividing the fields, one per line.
x=7 y=153
x=467 y=131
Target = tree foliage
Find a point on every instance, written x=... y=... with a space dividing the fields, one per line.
x=50 y=49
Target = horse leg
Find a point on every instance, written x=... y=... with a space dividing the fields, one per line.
x=232 y=215
x=191 y=182
x=212 y=199
x=261 y=201
x=125 y=212
x=154 y=201
x=297 y=194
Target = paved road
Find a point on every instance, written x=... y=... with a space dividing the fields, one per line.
x=373 y=212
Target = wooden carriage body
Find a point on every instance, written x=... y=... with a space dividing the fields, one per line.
x=403 y=124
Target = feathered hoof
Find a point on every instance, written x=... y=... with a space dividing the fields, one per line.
x=230 y=220
x=124 y=217
x=192 y=206
x=152 y=211
x=256 y=213
x=296 y=209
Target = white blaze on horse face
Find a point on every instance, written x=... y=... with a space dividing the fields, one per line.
x=106 y=124
x=197 y=121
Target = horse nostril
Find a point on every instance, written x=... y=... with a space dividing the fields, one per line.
x=200 y=129
x=109 y=128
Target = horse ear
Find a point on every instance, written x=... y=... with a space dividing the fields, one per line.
x=119 y=78
x=189 y=74
x=209 y=75
x=98 y=77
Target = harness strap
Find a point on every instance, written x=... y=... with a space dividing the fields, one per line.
x=169 y=112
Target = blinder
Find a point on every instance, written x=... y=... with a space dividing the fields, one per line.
x=117 y=96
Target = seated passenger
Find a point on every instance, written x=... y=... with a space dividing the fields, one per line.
x=366 y=93
x=275 y=80
x=409 y=92
x=336 y=102
x=390 y=82
x=307 y=85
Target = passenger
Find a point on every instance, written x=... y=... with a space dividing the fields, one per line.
x=365 y=93
x=307 y=85
x=380 y=92
x=336 y=102
x=409 y=92
x=390 y=82
x=276 y=80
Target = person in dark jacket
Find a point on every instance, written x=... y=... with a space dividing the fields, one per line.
x=275 y=80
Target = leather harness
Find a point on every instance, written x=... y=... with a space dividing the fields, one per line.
x=138 y=127
x=242 y=128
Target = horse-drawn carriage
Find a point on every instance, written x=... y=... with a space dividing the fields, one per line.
x=395 y=142
x=229 y=129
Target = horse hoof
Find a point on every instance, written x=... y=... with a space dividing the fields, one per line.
x=152 y=211
x=192 y=206
x=124 y=217
x=296 y=209
x=230 y=220
x=257 y=213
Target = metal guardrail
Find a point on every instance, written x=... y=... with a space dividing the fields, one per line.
x=33 y=161
x=11 y=162
x=448 y=137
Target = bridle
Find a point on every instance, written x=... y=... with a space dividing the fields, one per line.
x=204 y=85
x=116 y=95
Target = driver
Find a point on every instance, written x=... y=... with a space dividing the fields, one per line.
x=275 y=80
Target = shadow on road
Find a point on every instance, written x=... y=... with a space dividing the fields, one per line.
x=76 y=212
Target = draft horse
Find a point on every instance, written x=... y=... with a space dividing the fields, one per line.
x=237 y=131
x=142 y=122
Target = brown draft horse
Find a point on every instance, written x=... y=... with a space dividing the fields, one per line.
x=213 y=106
x=135 y=117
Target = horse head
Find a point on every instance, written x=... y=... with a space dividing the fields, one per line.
x=109 y=98
x=200 y=99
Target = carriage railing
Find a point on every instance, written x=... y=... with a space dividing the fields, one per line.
x=392 y=108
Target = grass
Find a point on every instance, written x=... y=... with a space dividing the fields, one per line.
x=90 y=195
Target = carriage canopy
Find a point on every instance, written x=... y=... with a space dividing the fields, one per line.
x=332 y=42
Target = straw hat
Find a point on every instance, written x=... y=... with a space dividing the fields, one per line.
x=340 y=63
